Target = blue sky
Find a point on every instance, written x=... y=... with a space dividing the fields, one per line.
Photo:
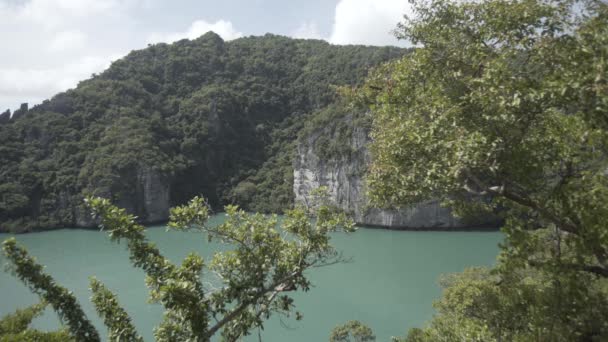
x=49 y=45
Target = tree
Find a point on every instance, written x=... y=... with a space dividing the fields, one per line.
x=506 y=99
x=15 y=327
x=355 y=329
x=254 y=278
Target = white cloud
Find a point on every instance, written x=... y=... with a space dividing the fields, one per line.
x=307 y=30
x=53 y=44
x=223 y=28
x=56 y=13
x=367 y=22
x=37 y=83
x=67 y=40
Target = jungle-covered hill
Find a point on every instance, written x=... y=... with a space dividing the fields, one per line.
x=172 y=121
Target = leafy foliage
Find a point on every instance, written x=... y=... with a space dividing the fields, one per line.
x=507 y=99
x=15 y=327
x=114 y=316
x=355 y=329
x=483 y=305
x=248 y=282
x=60 y=298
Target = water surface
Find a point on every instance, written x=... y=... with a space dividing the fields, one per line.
x=390 y=283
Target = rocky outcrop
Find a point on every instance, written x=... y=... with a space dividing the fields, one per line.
x=21 y=111
x=154 y=195
x=149 y=201
x=82 y=218
x=5 y=117
x=148 y=196
x=343 y=177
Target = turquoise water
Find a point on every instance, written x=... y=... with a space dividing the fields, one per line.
x=390 y=283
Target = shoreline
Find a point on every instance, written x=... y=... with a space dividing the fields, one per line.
x=464 y=229
x=472 y=228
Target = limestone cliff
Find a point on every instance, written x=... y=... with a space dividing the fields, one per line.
x=343 y=176
x=149 y=197
x=154 y=195
x=149 y=201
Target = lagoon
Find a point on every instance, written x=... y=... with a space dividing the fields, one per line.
x=390 y=283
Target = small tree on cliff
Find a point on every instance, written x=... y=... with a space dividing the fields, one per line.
x=507 y=99
x=257 y=275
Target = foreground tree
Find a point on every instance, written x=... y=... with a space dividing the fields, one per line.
x=15 y=327
x=251 y=282
x=507 y=100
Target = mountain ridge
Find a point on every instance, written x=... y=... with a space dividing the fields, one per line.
x=172 y=121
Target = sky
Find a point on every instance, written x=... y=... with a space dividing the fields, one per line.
x=50 y=45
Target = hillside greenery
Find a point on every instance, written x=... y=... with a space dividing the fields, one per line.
x=205 y=116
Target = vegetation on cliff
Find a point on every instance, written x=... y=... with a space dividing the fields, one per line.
x=202 y=116
x=508 y=99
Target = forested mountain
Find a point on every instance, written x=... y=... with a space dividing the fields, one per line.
x=169 y=122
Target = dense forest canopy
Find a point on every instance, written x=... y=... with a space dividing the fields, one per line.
x=174 y=121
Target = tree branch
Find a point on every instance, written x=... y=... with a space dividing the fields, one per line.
x=564 y=225
x=521 y=200
x=278 y=286
x=595 y=269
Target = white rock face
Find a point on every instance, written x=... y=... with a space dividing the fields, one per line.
x=155 y=193
x=344 y=179
x=149 y=202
